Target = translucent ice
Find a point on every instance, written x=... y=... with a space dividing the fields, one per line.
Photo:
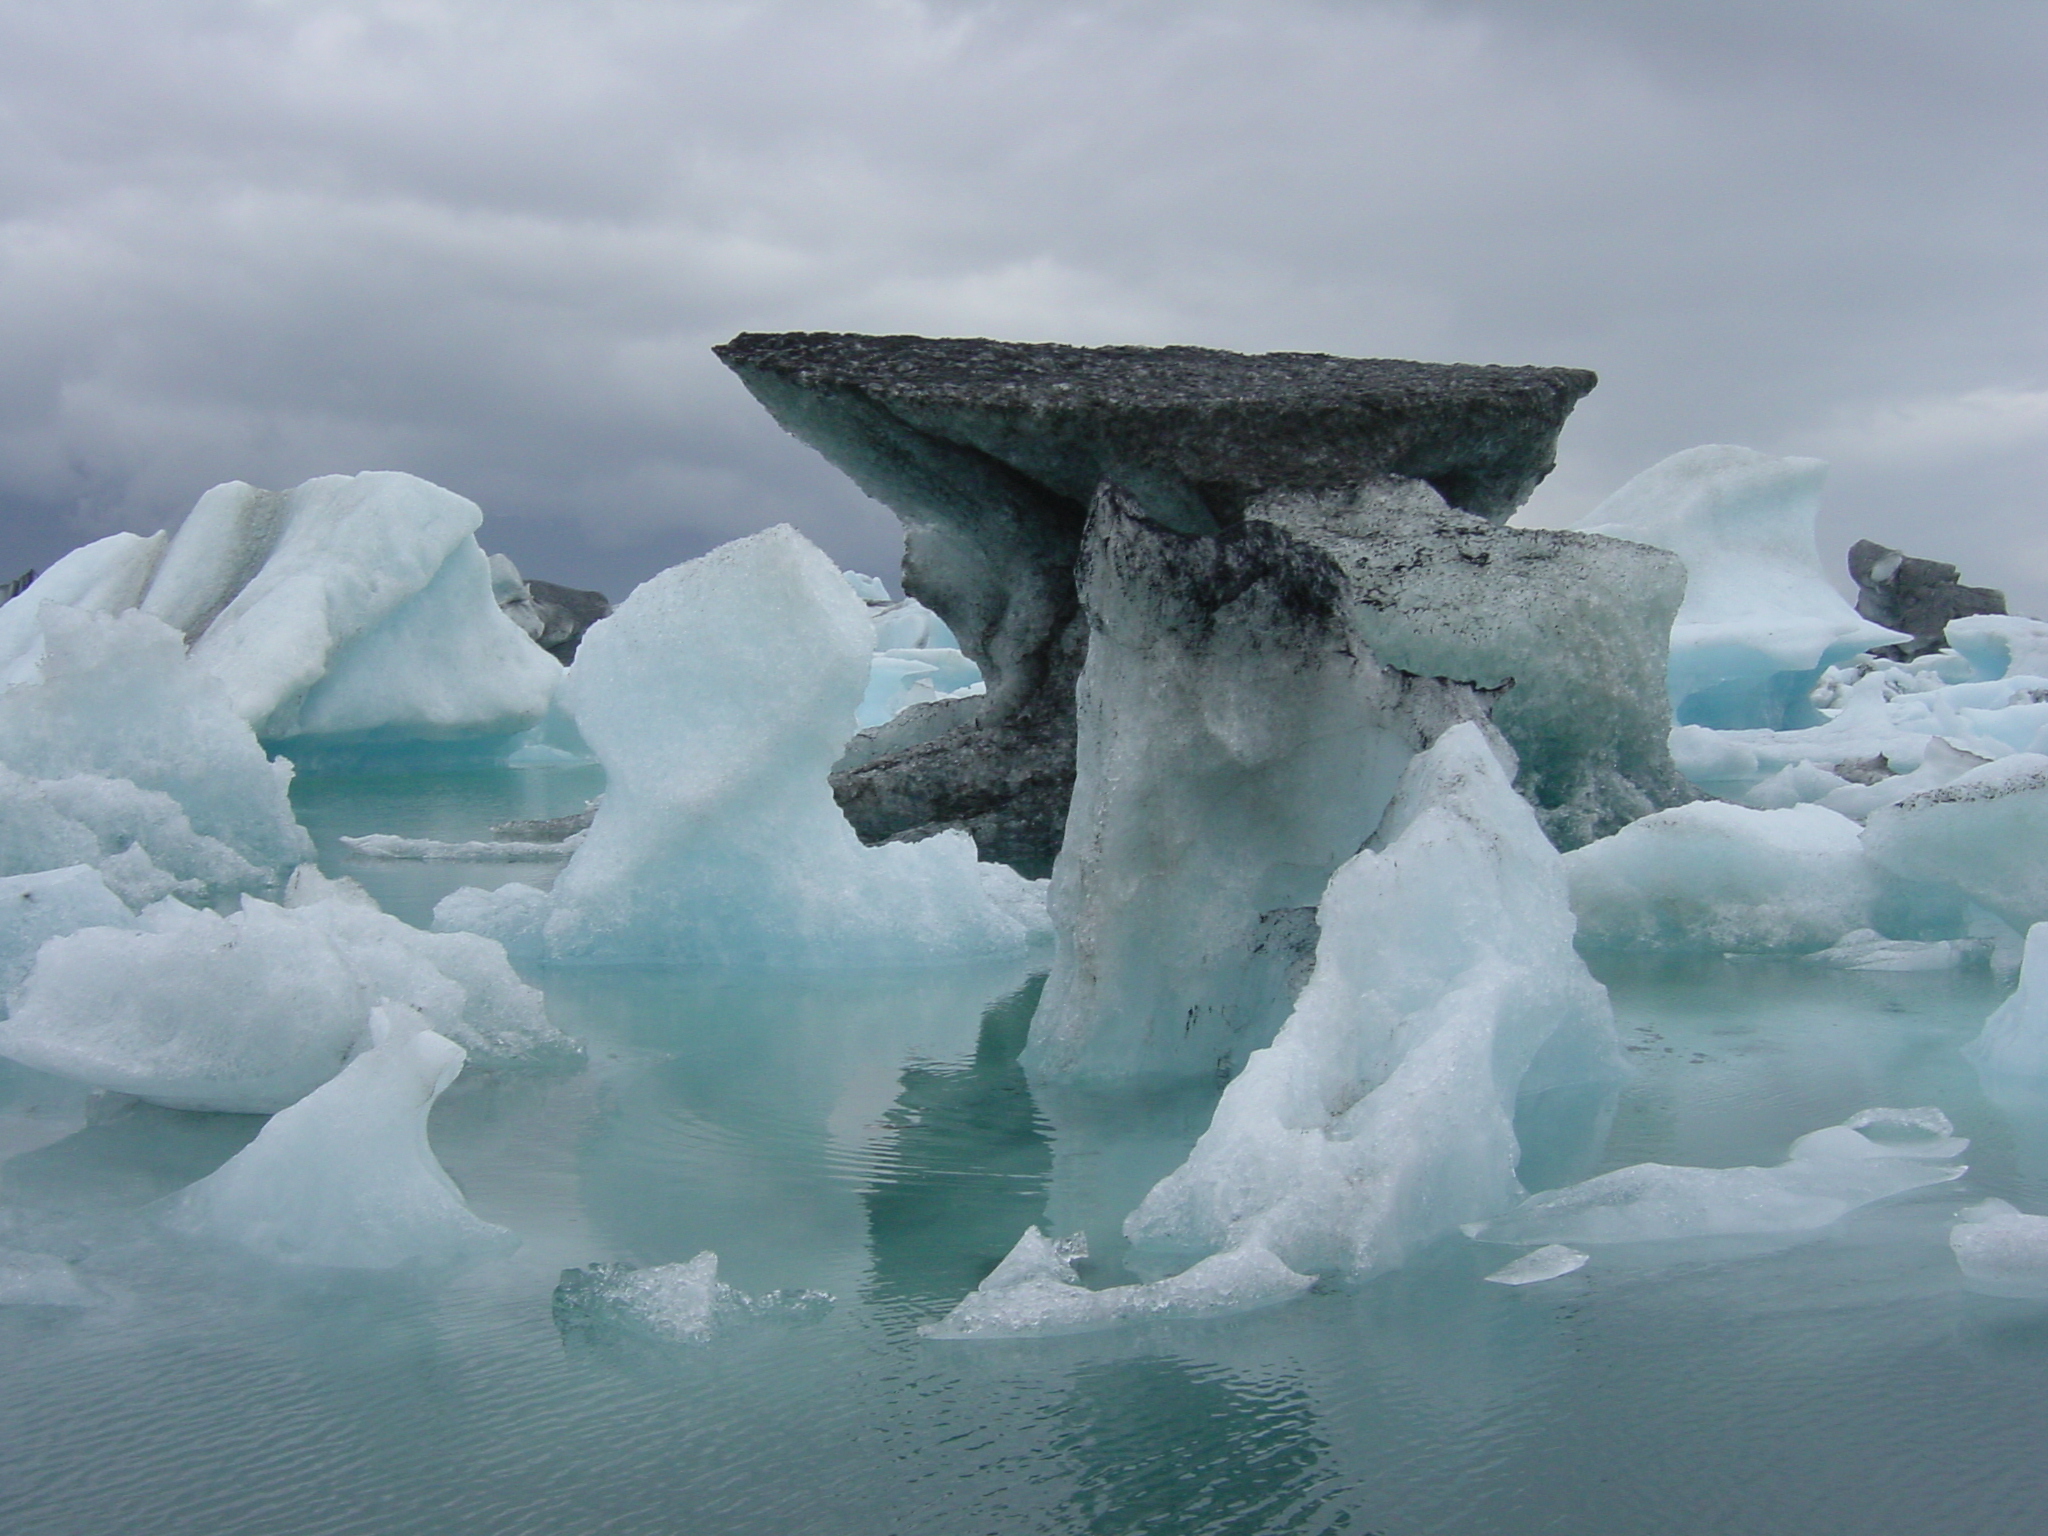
x=1382 y=1114
x=38 y=907
x=1868 y=950
x=1719 y=878
x=674 y=1303
x=1829 y=1173
x=2001 y=1250
x=1760 y=621
x=1985 y=832
x=252 y=1011
x=718 y=839
x=1035 y=1292
x=114 y=697
x=140 y=840
x=345 y=1177
x=1545 y=1263
x=2014 y=1043
x=41 y=1280
x=354 y=606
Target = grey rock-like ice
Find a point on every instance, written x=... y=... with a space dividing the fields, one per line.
x=1919 y=597
x=992 y=453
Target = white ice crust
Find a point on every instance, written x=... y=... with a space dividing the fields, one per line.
x=718 y=840
x=1760 y=621
x=1035 y=1292
x=355 y=606
x=251 y=1011
x=1829 y=1173
x=1718 y=878
x=345 y=1177
x=1381 y=1117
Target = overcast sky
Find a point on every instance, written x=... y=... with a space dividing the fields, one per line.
x=492 y=243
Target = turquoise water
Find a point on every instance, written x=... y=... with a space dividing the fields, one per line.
x=871 y=1136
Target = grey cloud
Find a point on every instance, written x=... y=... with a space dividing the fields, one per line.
x=493 y=244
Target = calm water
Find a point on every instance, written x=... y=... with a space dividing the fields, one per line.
x=870 y=1136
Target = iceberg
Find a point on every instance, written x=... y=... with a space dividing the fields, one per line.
x=1829 y=1173
x=1985 y=832
x=718 y=840
x=47 y=904
x=356 y=607
x=672 y=1303
x=114 y=698
x=1035 y=1292
x=252 y=1011
x=2014 y=1041
x=345 y=1178
x=105 y=576
x=1717 y=879
x=2001 y=1250
x=1533 y=1268
x=1760 y=622
x=1382 y=1116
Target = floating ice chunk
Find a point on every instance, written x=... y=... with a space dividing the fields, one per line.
x=676 y=1303
x=1985 y=832
x=1941 y=762
x=1035 y=1292
x=37 y=907
x=103 y=577
x=1868 y=950
x=351 y=606
x=382 y=845
x=1829 y=1173
x=345 y=1177
x=2014 y=1042
x=1720 y=878
x=1382 y=1114
x=1794 y=784
x=718 y=839
x=893 y=687
x=909 y=625
x=1545 y=1263
x=41 y=1280
x=1760 y=622
x=252 y=1011
x=115 y=699
x=2001 y=1250
x=1998 y=645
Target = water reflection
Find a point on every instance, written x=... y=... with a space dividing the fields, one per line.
x=961 y=1167
x=1161 y=1445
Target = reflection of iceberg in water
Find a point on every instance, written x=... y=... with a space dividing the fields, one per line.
x=964 y=1166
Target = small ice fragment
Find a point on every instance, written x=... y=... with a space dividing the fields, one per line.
x=677 y=1303
x=383 y=845
x=1546 y=1263
x=2001 y=1250
x=1035 y=1292
x=40 y=1280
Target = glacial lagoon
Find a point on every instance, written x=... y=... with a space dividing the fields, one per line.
x=869 y=1135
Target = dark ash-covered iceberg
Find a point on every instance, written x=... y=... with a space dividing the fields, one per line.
x=992 y=452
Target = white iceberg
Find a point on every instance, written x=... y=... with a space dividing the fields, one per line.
x=1985 y=832
x=106 y=576
x=251 y=1011
x=2014 y=1042
x=1829 y=1173
x=1760 y=622
x=353 y=606
x=1718 y=878
x=1035 y=1292
x=35 y=908
x=113 y=697
x=1550 y=1262
x=345 y=1177
x=718 y=696
x=1382 y=1115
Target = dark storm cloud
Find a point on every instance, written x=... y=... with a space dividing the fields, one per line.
x=492 y=244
